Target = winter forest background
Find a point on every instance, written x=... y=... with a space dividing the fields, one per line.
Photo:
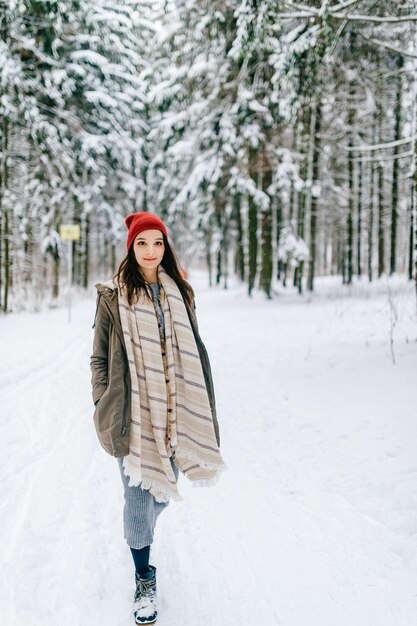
x=276 y=138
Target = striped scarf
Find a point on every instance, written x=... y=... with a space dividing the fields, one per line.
x=171 y=412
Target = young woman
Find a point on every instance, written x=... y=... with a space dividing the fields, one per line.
x=153 y=390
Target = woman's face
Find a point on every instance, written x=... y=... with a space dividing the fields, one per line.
x=149 y=249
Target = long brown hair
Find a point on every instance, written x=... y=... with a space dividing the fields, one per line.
x=130 y=275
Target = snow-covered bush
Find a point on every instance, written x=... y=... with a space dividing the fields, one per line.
x=291 y=249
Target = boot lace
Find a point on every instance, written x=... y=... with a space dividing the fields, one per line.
x=144 y=589
x=144 y=606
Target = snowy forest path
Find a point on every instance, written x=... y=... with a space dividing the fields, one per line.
x=312 y=523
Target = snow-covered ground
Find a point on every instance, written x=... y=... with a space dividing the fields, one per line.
x=314 y=523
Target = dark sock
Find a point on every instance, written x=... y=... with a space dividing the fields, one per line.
x=141 y=559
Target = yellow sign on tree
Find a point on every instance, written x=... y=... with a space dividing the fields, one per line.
x=70 y=231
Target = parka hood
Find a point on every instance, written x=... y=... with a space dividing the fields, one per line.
x=110 y=284
x=110 y=295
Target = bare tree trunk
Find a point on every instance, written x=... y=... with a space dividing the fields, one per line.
x=294 y=194
x=312 y=201
x=396 y=171
x=411 y=234
x=86 y=251
x=266 y=232
x=371 y=206
x=381 y=237
x=55 y=275
x=413 y=244
x=279 y=220
x=349 y=225
x=224 y=242
x=252 y=225
x=218 y=265
x=6 y=260
x=113 y=258
x=302 y=197
x=240 y=253
x=76 y=245
x=218 y=214
x=303 y=136
x=6 y=225
x=209 y=241
x=381 y=234
x=1 y=231
x=415 y=217
x=359 y=231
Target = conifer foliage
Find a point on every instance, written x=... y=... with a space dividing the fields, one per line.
x=276 y=138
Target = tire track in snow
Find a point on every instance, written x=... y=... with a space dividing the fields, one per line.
x=23 y=511
x=199 y=548
x=38 y=440
x=34 y=375
x=30 y=472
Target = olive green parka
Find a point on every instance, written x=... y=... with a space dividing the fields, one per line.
x=111 y=386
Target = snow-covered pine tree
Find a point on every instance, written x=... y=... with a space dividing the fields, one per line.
x=73 y=95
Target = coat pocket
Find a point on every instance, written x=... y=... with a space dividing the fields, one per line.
x=107 y=424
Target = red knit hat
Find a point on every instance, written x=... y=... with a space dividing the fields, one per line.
x=136 y=222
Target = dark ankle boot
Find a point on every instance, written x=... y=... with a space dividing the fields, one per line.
x=144 y=605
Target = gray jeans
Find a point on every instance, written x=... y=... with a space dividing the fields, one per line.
x=140 y=511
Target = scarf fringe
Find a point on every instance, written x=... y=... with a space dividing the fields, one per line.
x=190 y=455
x=163 y=494
x=209 y=482
x=133 y=473
x=148 y=484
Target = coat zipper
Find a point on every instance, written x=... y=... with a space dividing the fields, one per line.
x=124 y=428
x=95 y=316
